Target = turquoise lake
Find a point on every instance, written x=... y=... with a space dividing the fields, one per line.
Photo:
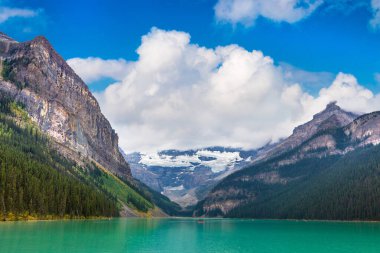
x=187 y=235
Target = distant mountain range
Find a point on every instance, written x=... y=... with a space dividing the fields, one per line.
x=187 y=176
x=329 y=168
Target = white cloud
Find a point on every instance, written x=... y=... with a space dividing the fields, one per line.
x=247 y=11
x=6 y=13
x=93 y=69
x=350 y=95
x=180 y=95
x=375 y=21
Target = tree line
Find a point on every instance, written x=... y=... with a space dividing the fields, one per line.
x=35 y=180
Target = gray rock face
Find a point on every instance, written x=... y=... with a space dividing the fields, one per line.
x=59 y=102
x=330 y=118
x=364 y=130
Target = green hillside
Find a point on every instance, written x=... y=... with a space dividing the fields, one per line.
x=37 y=182
x=332 y=188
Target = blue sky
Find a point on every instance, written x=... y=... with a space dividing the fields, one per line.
x=333 y=38
x=160 y=89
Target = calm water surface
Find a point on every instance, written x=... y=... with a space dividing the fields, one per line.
x=187 y=235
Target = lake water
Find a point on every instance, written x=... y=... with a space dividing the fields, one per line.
x=187 y=235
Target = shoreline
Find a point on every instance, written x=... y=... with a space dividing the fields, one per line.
x=31 y=218
x=263 y=219
x=35 y=219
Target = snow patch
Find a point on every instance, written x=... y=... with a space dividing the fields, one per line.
x=175 y=188
x=220 y=162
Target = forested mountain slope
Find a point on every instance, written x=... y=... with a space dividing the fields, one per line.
x=334 y=174
x=335 y=187
x=78 y=141
x=36 y=181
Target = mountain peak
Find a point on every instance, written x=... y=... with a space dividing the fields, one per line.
x=341 y=118
x=331 y=117
x=6 y=38
x=42 y=41
x=65 y=108
x=332 y=106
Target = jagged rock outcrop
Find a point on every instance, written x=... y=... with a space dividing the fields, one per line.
x=34 y=74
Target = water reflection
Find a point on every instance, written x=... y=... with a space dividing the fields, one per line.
x=188 y=235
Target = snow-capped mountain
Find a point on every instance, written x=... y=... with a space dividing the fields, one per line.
x=187 y=176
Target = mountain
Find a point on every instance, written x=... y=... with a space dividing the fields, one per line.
x=38 y=90
x=330 y=118
x=59 y=102
x=35 y=181
x=330 y=171
x=187 y=176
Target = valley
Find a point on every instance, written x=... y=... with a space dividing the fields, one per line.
x=327 y=168
x=187 y=176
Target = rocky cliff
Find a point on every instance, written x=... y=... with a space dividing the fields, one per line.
x=35 y=75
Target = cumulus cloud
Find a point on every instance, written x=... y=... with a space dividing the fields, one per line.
x=93 y=69
x=350 y=95
x=181 y=95
x=375 y=21
x=6 y=13
x=247 y=11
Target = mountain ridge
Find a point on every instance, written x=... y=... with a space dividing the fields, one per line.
x=329 y=140
x=60 y=102
x=331 y=117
